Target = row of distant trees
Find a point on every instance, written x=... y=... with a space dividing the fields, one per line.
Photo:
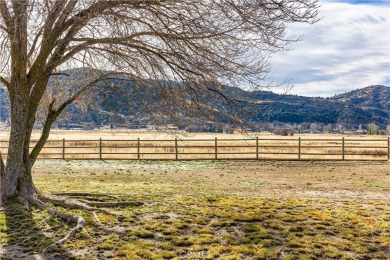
x=371 y=128
x=278 y=128
x=289 y=129
x=275 y=127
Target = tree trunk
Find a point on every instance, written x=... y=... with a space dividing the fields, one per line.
x=17 y=178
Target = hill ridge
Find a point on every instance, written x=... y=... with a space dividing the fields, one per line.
x=361 y=106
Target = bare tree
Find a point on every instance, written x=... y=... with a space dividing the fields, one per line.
x=198 y=43
x=372 y=129
x=314 y=127
x=328 y=128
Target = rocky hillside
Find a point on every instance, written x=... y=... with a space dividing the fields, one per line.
x=372 y=97
x=362 y=106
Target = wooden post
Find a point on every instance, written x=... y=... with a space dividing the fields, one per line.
x=100 y=148
x=299 y=148
x=63 y=148
x=343 y=148
x=216 y=148
x=138 y=148
x=257 y=148
x=176 y=150
x=388 y=149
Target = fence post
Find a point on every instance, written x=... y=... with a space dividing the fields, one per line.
x=343 y=148
x=388 y=148
x=176 y=149
x=63 y=148
x=216 y=148
x=257 y=148
x=138 y=148
x=100 y=148
x=299 y=148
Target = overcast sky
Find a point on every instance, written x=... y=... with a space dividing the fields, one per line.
x=348 y=49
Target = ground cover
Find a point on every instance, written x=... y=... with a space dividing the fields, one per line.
x=211 y=209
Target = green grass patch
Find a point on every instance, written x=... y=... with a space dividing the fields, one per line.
x=205 y=223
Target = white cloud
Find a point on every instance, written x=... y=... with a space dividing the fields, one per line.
x=348 y=49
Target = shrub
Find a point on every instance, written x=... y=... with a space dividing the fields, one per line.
x=283 y=132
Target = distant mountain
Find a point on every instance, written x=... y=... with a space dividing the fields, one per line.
x=4 y=104
x=107 y=106
x=372 y=97
x=363 y=106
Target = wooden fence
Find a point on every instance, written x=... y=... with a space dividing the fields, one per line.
x=216 y=149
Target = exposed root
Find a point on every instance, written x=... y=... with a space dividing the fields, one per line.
x=87 y=198
x=84 y=194
x=24 y=202
x=115 y=204
x=44 y=221
x=96 y=217
x=74 y=204
x=70 y=203
x=118 y=215
x=80 y=225
x=65 y=216
x=86 y=232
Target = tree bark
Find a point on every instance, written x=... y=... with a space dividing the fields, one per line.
x=15 y=167
x=17 y=178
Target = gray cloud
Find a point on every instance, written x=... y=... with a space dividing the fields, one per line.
x=348 y=49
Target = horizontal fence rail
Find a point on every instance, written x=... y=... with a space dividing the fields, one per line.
x=215 y=149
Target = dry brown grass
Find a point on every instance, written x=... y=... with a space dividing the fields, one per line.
x=161 y=145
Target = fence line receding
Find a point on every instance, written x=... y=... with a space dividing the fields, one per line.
x=215 y=149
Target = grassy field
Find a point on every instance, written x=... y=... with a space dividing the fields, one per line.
x=212 y=209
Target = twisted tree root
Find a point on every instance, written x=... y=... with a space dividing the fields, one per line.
x=87 y=198
x=92 y=200
x=80 y=222
x=83 y=194
x=96 y=217
x=74 y=204
x=69 y=203
x=24 y=202
x=115 y=204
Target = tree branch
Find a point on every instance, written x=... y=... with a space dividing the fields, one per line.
x=34 y=44
x=59 y=74
x=53 y=114
x=5 y=82
x=2 y=165
x=6 y=16
x=52 y=15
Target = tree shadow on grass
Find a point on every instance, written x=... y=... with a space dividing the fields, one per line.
x=24 y=233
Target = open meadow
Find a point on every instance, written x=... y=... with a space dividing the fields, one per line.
x=211 y=210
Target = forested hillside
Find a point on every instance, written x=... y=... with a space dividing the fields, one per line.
x=119 y=103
